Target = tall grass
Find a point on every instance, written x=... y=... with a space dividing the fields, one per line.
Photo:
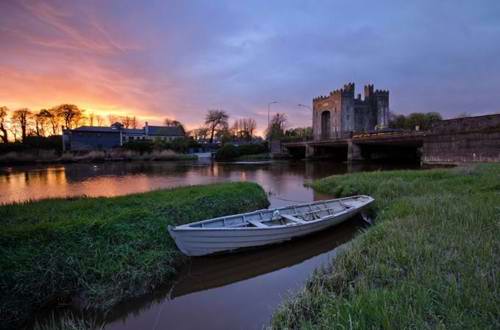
x=431 y=261
x=99 y=251
x=50 y=156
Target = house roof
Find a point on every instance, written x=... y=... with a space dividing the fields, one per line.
x=165 y=131
x=97 y=129
x=133 y=130
x=152 y=130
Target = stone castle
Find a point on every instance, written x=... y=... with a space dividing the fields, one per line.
x=340 y=113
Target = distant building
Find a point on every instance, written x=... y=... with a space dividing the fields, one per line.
x=340 y=113
x=102 y=138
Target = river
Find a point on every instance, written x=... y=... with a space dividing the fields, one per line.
x=238 y=291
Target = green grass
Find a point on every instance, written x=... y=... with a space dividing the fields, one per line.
x=102 y=250
x=432 y=260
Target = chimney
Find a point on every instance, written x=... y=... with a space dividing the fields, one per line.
x=146 y=128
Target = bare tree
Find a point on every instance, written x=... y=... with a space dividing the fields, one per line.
x=40 y=122
x=175 y=123
x=235 y=130
x=200 y=133
x=22 y=117
x=126 y=121
x=133 y=122
x=113 y=119
x=54 y=119
x=4 y=111
x=91 y=118
x=216 y=120
x=45 y=119
x=99 y=120
x=70 y=115
x=278 y=126
x=14 y=130
x=251 y=127
x=243 y=128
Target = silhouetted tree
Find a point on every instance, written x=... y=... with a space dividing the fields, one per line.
x=200 y=133
x=112 y=119
x=22 y=118
x=277 y=126
x=91 y=119
x=54 y=120
x=243 y=128
x=133 y=122
x=4 y=111
x=126 y=121
x=249 y=127
x=70 y=114
x=175 y=123
x=216 y=120
x=304 y=133
x=423 y=121
x=44 y=123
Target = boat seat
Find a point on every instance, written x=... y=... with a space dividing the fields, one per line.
x=292 y=218
x=257 y=223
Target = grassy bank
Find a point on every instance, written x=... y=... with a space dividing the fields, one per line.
x=101 y=250
x=431 y=261
x=50 y=156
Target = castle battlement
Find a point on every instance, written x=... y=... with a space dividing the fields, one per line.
x=345 y=90
x=320 y=98
x=347 y=112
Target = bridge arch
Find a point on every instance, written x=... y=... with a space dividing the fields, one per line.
x=326 y=124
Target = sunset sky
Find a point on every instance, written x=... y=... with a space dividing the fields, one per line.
x=177 y=59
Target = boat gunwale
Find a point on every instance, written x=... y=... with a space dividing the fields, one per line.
x=187 y=227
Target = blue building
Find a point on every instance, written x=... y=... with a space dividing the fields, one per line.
x=87 y=138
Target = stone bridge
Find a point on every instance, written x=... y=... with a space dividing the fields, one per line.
x=471 y=139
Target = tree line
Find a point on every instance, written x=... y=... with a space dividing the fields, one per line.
x=421 y=120
x=216 y=125
x=16 y=125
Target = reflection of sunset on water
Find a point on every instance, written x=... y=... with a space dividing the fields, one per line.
x=284 y=181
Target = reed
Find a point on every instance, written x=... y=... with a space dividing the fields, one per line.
x=96 y=252
x=432 y=260
x=50 y=156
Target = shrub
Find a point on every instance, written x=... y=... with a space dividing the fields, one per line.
x=231 y=151
x=227 y=152
x=139 y=146
x=33 y=144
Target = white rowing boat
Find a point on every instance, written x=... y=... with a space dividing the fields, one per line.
x=264 y=227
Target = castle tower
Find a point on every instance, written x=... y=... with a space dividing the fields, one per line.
x=340 y=113
x=382 y=106
x=368 y=92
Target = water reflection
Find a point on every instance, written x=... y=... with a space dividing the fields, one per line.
x=247 y=286
x=281 y=179
x=235 y=291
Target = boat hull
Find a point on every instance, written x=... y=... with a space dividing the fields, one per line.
x=198 y=242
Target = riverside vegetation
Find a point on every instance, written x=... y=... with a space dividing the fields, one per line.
x=50 y=156
x=432 y=260
x=100 y=251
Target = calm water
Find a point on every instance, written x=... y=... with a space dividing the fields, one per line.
x=238 y=291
